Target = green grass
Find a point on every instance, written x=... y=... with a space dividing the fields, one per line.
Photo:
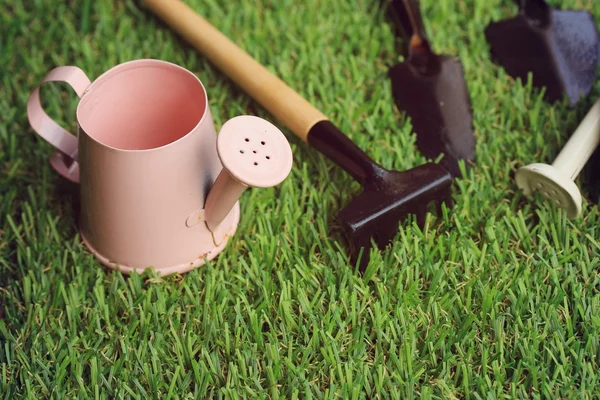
x=497 y=297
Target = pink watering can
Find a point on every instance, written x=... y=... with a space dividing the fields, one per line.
x=159 y=188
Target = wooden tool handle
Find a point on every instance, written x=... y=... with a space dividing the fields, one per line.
x=260 y=83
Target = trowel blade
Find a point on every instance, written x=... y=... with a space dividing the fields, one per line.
x=439 y=108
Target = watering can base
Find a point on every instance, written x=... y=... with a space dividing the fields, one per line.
x=200 y=260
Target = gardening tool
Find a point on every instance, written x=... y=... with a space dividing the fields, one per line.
x=560 y=48
x=432 y=90
x=556 y=181
x=158 y=188
x=387 y=197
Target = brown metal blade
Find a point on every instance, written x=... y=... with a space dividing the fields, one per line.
x=432 y=90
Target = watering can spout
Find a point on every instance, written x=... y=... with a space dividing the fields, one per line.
x=254 y=153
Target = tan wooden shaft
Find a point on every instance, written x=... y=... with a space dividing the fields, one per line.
x=261 y=84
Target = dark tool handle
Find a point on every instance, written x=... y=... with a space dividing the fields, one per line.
x=537 y=11
x=329 y=140
x=407 y=15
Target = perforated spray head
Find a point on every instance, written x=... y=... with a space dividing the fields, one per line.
x=552 y=184
x=556 y=182
x=254 y=153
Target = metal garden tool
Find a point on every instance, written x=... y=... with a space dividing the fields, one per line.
x=432 y=90
x=387 y=197
x=560 y=48
x=556 y=181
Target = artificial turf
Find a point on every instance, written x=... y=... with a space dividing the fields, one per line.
x=498 y=296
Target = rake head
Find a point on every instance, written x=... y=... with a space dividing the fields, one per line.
x=386 y=200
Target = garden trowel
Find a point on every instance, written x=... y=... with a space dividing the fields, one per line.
x=560 y=48
x=432 y=90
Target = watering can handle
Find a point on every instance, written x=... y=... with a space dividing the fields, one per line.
x=65 y=159
x=261 y=84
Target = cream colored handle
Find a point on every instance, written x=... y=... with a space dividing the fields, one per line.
x=581 y=145
x=260 y=83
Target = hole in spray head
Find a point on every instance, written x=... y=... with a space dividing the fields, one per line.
x=254 y=151
x=268 y=158
x=242 y=151
x=255 y=163
x=247 y=140
x=263 y=143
